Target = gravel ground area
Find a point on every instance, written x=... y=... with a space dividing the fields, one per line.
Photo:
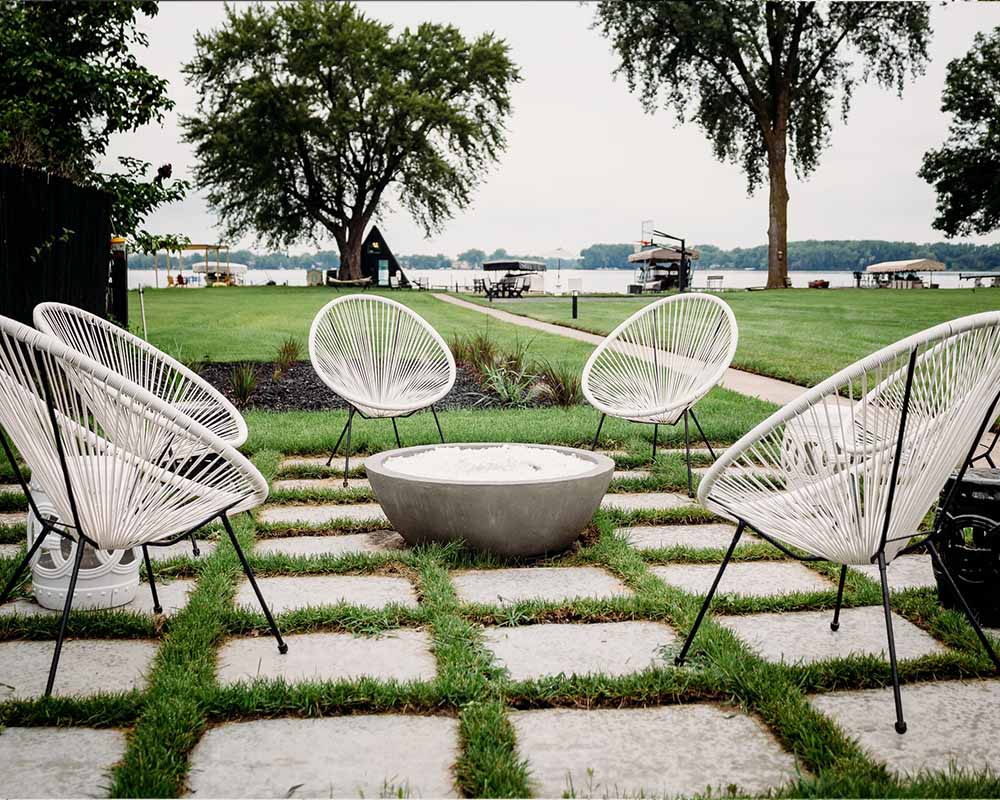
x=300 y=389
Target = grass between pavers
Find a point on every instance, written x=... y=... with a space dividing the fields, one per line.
x=798 y=335
x=184 y=697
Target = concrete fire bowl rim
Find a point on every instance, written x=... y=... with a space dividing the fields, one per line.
x=601 y=463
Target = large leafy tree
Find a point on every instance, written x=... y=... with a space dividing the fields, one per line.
x=965 y=170
x=311 y=115
x=761 y=78
x=71 y=81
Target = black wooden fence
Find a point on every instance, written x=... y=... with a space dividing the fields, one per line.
x=54 y=243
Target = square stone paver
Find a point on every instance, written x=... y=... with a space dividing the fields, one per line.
x=631 y=474
x=12 y=488
x=805 y=636
x=9 y=550
x=665 y=751
x=656 y=537
x=181 y=548
x=905 y=572
x=59 y=762
x=291 y=592
x=750 y=579
x=360 y=755
x=317 y=461
x=606 y=648
x=173 y=597
x=86 y=666
x=10 y=518
x=550 y=584
x=317 y=516
x=401 y=655
x=655 y=501
x=318 y=484
x=947 y=722
x=315 y=546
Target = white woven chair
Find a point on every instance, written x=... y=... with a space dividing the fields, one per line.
x=156 y=372
x=98 y=442
x=884 y=436
x=382 y=358
x=660 y=361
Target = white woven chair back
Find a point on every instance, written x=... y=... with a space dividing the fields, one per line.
x=662 y=359
x=159 y=374
x=72 y=419
x=818 y=475
x=380 y=356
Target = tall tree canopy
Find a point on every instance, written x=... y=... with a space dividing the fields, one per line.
x=310 y=112
x=965 y=170
x=763 y=76
x=70 y=82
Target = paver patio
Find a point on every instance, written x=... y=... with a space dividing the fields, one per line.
x=551 y=584
x=655 y=537
x=356 y=756
x=319 y=515
x=754 y=579
x=87 y=666
x=805 y=636
x=606 y=648
x=400 y=655
x=663 y=751
x=292 y=592
x=173 y=596
x=182 y=548
x=948 y=722
x=627 y=501
x=345 y=544
x=318 y=484
x=58 y=762
x=905 y=572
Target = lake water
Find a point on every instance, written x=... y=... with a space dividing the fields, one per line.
x=558 y=281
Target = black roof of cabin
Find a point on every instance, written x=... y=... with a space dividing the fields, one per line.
x=375 y=247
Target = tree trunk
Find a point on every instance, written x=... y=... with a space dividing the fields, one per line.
x=350 y=251
x=777 y=229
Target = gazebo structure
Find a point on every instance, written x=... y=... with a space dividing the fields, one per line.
x=518 y=276
x=898 y=274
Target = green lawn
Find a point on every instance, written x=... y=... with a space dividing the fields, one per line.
x=248 y=323
x=798 y=335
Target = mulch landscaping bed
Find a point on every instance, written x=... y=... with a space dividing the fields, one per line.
x=300 y=389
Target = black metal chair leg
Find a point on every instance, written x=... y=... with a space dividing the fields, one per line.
x=711 y=593
x=687 y=453
x=157 y=608
x=896 y=694
x=840 y=599
x=80 y=545
x=965 y=606
x=16 y=577
x=194 y=545
x=438 y=423
x=395 y=430
x=656 y=432
x=347 y=455
x=329 y=461
x=248 y=570
x=598 y=434
x=704 y=438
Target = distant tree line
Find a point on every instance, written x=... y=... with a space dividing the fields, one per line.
x=830 y=255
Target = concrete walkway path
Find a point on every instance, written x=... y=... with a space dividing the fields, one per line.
x=770 y=389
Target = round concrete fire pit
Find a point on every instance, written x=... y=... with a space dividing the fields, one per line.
x=514 y=500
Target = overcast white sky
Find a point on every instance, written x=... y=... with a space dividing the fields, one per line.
x=585 y=164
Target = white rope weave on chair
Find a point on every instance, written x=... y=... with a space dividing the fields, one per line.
x=138 y=361
x=380 y=356
x=663 y=359
x=119 y=445
x=817 y=474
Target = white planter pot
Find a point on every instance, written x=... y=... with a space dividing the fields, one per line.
x=108 y=578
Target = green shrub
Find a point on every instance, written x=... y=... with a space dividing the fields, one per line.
x=289 y=351
x=559 y=383
x=242 y=382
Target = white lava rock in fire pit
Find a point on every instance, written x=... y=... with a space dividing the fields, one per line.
x=507 y=462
